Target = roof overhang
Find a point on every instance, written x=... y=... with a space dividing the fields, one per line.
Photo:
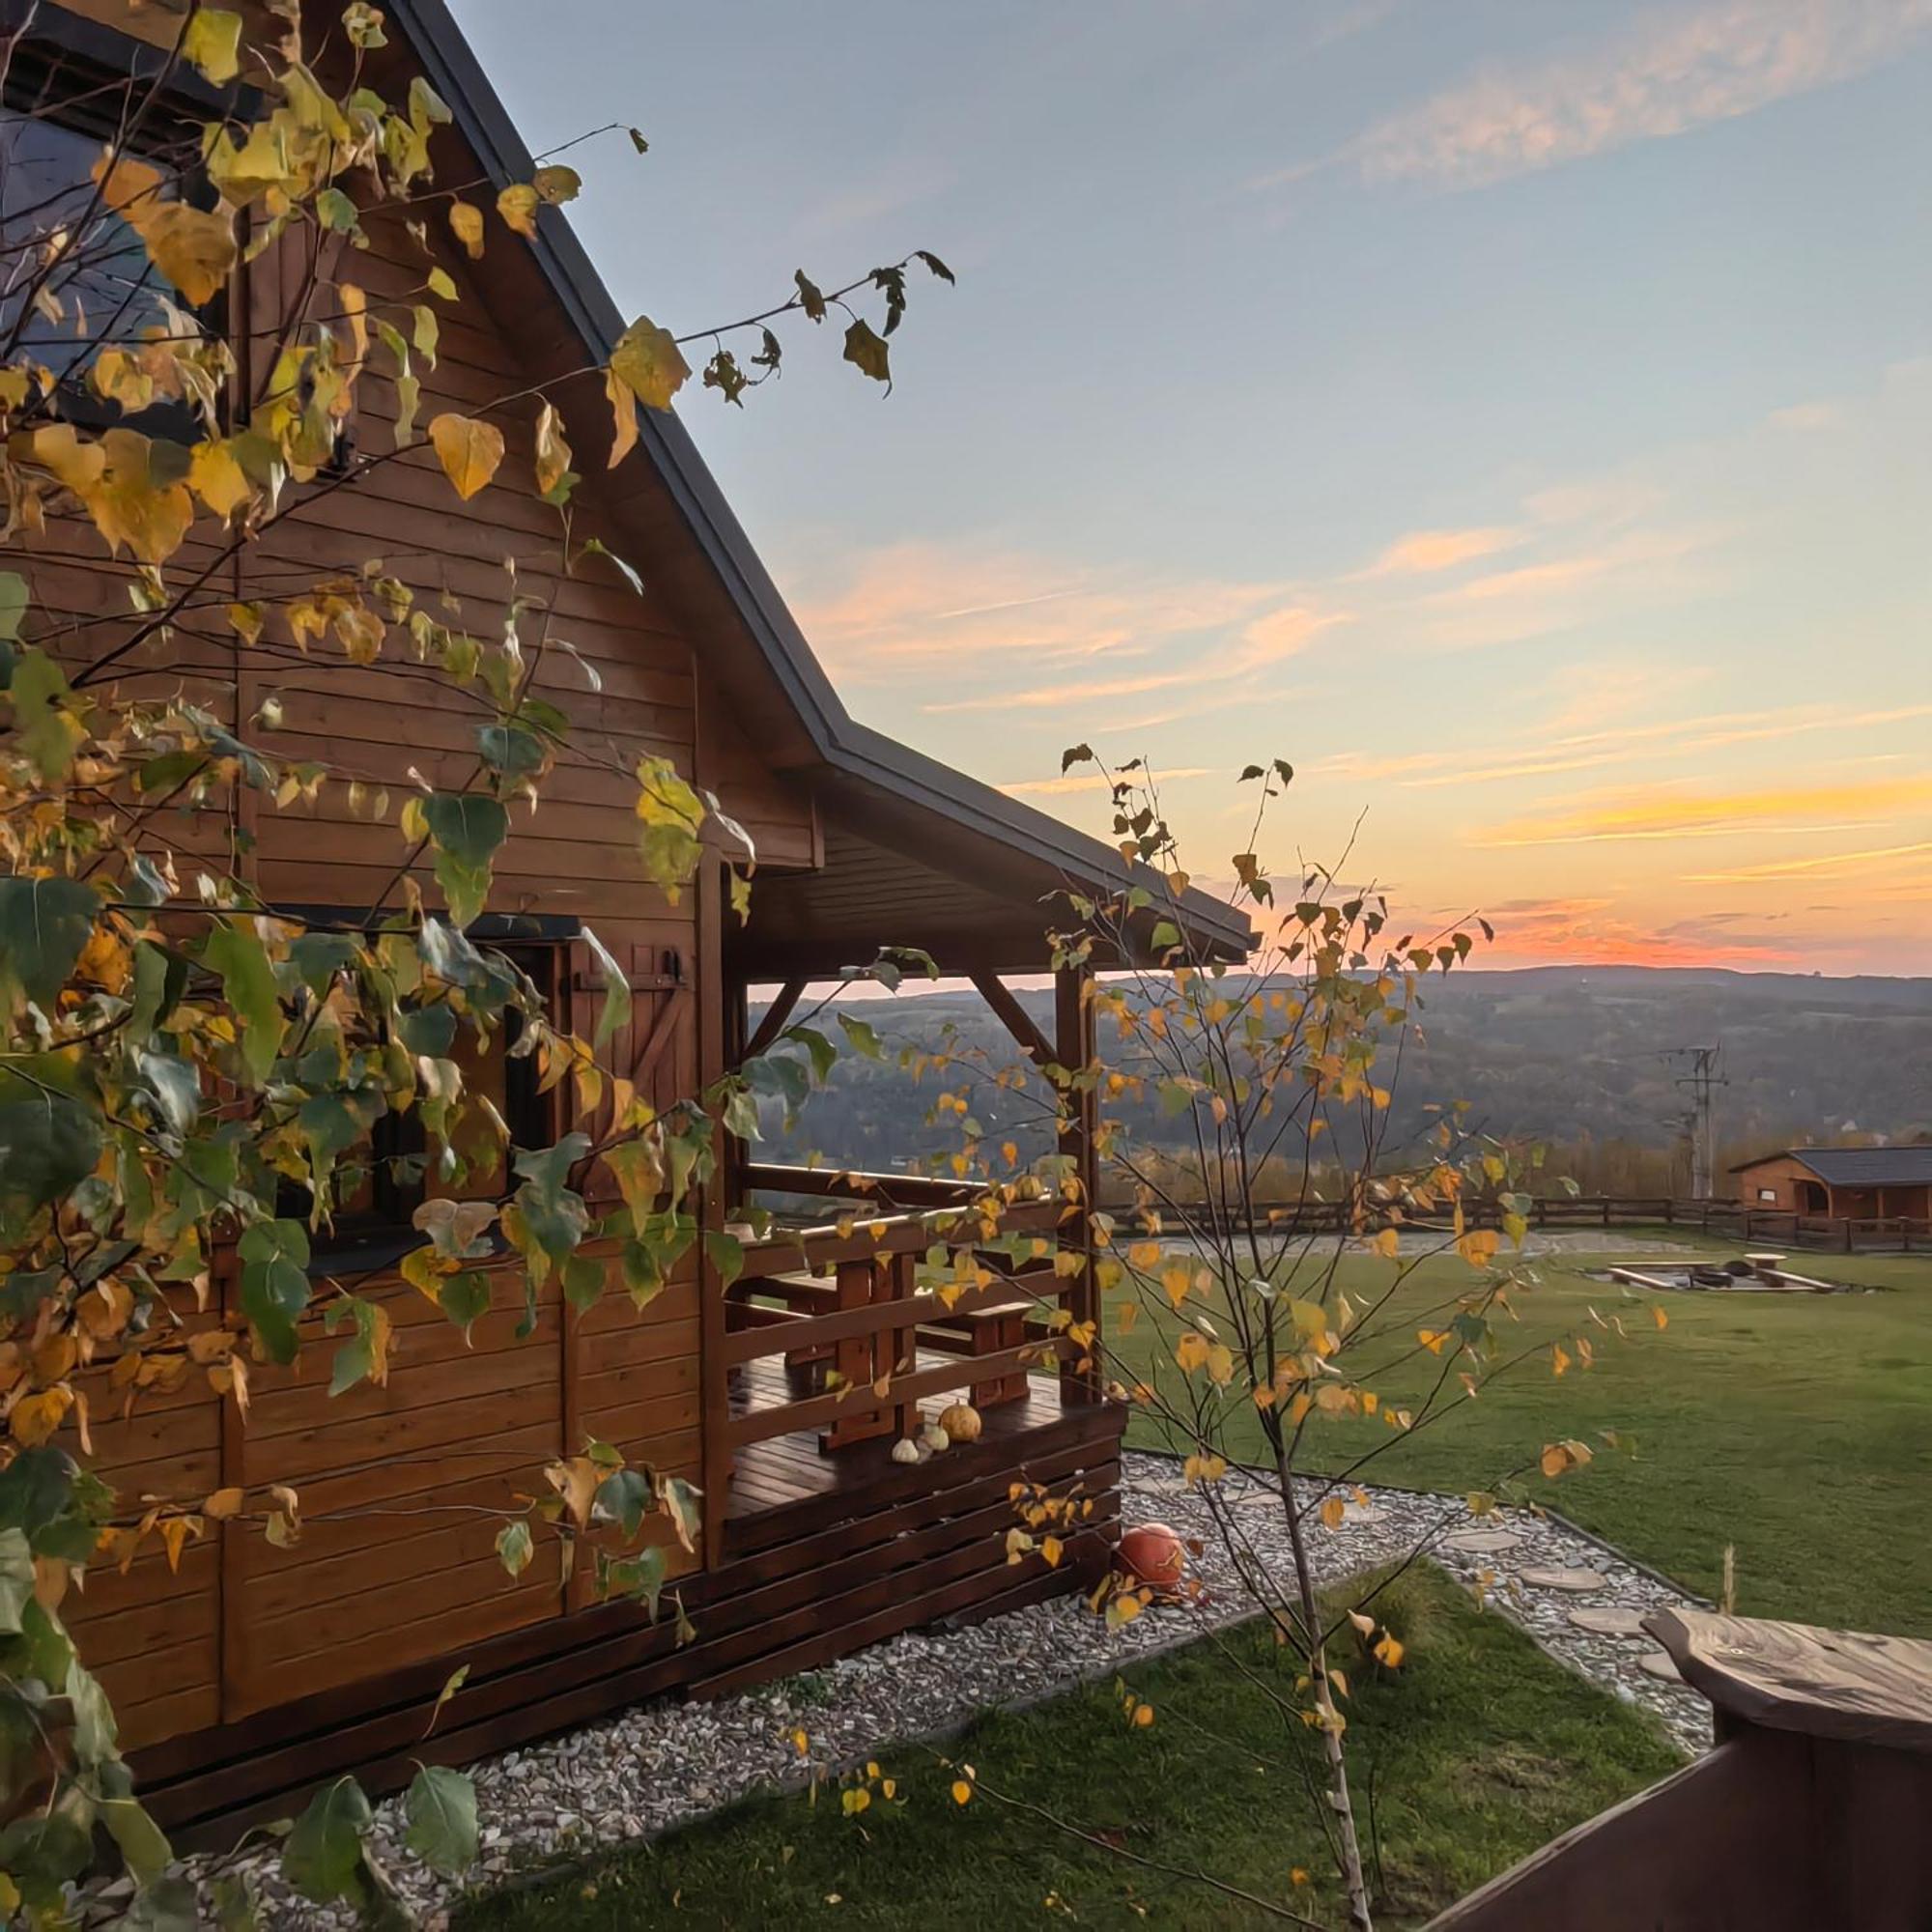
x=845 y=756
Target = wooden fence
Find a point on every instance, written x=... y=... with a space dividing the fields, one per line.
x=1725 y=1220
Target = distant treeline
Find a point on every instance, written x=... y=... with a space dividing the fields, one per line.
x=1571 y=1058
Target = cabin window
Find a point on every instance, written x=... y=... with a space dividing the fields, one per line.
x=1767 y=1194
x=57 y=117
x=378 y=1186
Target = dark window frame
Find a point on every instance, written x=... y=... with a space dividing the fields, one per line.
x=71 y=74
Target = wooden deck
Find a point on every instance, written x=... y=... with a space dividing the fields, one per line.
x=784 y=1471
x=822 y=1555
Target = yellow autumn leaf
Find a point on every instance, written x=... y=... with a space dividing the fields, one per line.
x=553 y=453
x=647 y=361
x=1389 y=1651
x=222 y=1504
x=1334 y=1510
x=194 y=248
x=1559 y=1361
x=517 y=204
x=1387 y=1244
x=962 y=1791
x=556 y=182
x=1052 y=1549
x=468 y=450
x=1657 y=1314
x=215 y=476
x=36 y=1417
x=466 y=223
x=211 y=39
x=1553 y=1461
x=1190 y=1352
x=623 y=418
x=855 y=1799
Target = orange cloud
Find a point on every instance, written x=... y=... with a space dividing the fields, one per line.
x=1831 y=866
x=1639 y=815
x=1423 y=551
x=1266 y=641
x=907 y=606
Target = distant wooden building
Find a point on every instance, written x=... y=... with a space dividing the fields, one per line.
x=1867 y=1183
x=255 y=1671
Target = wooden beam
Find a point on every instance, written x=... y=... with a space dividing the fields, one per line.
x=1073 y=1030
x=775 y=1016
x=998 y=995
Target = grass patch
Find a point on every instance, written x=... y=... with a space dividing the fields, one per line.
x=1479 y=1749
x=1797 y=1428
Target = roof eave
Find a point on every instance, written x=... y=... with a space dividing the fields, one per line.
x=1217 y=929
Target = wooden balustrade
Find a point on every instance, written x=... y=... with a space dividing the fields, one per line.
x=854 y=1298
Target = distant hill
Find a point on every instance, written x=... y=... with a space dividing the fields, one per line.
x=1556 y=1053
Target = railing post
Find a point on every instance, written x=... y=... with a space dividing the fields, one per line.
x=1073 y=1045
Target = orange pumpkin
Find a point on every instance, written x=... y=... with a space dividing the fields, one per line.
x=1152 y=1553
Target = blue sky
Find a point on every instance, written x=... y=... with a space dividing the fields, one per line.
x=1519 y=415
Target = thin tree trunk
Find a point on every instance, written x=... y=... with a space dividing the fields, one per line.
x=1339 y=1800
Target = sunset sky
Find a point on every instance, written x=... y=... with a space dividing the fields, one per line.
x=1516 y=413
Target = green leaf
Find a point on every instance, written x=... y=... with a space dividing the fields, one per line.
x=515 y=1547
x=237 y=954
x=43 y=924
x=12 y=605
x=322 y=1857
x=51 y=1135
x=274 y=1285
x=824 y=1054
x=726 y=1254
x=869 y=353
x=17 y=1578
x=145 y=1848
x=863 y=1038
x=44 y=727
x=624 y=1497
x=467 y=828
x=442 y=1809
x=615 y=1012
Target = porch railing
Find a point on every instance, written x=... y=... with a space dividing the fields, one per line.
x=849 y=1299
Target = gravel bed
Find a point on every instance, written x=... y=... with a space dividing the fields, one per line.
x=664 y=1764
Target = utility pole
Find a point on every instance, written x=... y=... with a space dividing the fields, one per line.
x=1698 y=1080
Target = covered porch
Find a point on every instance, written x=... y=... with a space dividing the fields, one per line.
x=835 y=1343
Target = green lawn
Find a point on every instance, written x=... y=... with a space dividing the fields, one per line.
x=1477 y=1751
x=1797 y=1427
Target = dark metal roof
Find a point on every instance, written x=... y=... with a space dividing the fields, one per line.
x=1858 y=1167
x=848 y=748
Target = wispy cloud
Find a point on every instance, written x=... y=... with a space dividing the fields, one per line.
x=899 y=612
x=1802 y=810
x=1266 y=641
x=1544 y=749
x=1665 y=73
x=1072 y=781
x=1833 y=864
x=1422 y=550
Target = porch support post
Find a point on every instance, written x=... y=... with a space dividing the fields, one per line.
x=772 y=1023
x=715 y=1448
x=1014 y=1018
x=1073 y=1043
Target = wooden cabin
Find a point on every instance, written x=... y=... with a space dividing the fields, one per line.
x=1858 y=1184
x=256 y=1672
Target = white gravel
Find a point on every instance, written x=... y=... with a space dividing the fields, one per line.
x=666 y=1763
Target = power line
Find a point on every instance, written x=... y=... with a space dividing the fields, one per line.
x=1699 y=1080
